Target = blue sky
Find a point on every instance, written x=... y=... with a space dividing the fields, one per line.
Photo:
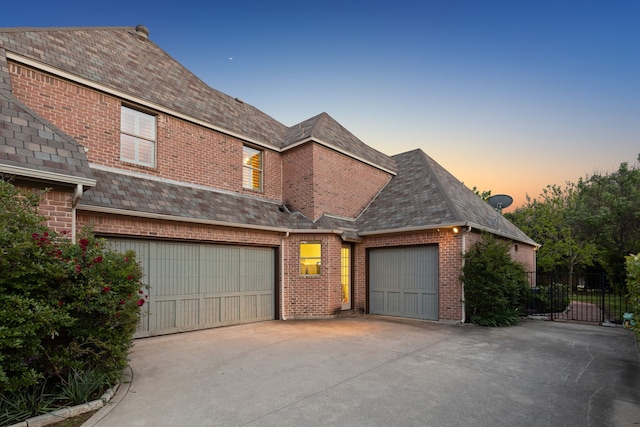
x=509 y=96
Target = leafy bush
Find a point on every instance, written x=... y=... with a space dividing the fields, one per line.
x=633 y=285
x=552 y=298
x=69 y=309
x=495 y=286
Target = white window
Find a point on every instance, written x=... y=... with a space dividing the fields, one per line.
x=251 y=168
x=137 y=137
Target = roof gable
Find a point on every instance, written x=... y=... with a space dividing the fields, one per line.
x=327 y=131
x=118 y=58
x=425 y=195
x=32 y=145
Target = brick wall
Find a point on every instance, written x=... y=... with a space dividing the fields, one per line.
x=312 y=296
x=319 y=180
x=118 y=225
x=185 y=152
x=56 y=205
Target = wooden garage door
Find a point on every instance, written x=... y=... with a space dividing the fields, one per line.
x=198 y=286
x=404 y=282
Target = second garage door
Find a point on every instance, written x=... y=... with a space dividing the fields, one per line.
x=404 y=282
x=198 y=286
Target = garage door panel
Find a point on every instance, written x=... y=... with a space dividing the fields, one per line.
x=376 y=302
x=174 y=269
x=196 y=286
x=404 y=282
x=219 y=269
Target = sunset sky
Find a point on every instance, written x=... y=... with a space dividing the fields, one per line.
x=509 y=96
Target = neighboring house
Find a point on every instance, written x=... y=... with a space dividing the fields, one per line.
x=235 y=217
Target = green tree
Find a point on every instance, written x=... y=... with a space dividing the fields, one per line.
x=495 y=286
x=608 y=211
x=484 y=195
x=551 y=221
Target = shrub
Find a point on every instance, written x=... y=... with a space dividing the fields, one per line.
x=552 y=298
x=495 y=286
x=69 y=309
x=633 y=286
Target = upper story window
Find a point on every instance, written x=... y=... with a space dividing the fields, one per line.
x=137 y=137
x=310 y=258
x=251 y=168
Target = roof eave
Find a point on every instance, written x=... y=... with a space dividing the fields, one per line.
x=339 y=150
x=46 y=176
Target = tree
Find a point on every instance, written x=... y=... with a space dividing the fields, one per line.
x=484 y=195
x=608 y=210
x=551 y=221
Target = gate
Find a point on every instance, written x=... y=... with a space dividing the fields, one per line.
x=579 y=297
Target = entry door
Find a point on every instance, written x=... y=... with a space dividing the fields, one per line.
x=346 y=277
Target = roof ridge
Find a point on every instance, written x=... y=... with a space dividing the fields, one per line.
x=69 y=28
x=436 y=179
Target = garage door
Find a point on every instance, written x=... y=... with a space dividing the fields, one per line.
x=198 y=286
x=404 y=282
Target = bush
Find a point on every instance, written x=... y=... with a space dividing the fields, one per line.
x=633 y=286
x=495 y=286
x=69 y=309
x=552 y=298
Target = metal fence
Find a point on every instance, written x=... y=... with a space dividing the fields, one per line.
x=580 y=297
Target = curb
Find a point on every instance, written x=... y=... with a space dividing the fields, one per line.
x=116 y=397
x=73 y=411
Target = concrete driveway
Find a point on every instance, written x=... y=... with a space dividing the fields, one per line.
x=378 y=371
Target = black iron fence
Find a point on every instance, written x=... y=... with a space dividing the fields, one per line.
x=581 y=297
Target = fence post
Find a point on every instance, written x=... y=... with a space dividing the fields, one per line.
x=603 y=279
x=551 y=282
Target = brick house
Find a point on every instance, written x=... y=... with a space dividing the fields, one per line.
x=235 y=217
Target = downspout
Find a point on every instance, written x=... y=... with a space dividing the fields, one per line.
x=77 y=195
x=464 y=251
x=282 y=275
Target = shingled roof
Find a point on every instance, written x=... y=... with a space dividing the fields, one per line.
x=140 y=196
x=30 y=146
x=425 y=195
x=126 y=60
x=324 y=129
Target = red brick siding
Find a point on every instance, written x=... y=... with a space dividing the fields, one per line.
x=525 y=255
x=184 y=151
x=319 y=180
x=56 y=206
x=297 y=188
x=312 y=296
x=148 y=228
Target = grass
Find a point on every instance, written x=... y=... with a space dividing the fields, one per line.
x=614 y=304
x=75 y=421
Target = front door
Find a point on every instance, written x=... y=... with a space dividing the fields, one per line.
x=346 y=277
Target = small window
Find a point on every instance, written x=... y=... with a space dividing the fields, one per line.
x=137 y=137
x=251 y=168
x=310 y=258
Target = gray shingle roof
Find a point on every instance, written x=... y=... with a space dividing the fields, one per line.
x=424 y=194
x=137 y=194
x=117 y=58
x=28 y=141
x=324 y=128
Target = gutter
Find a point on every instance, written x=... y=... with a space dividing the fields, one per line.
x=46 y=175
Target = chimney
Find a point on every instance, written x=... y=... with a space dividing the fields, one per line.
x=142 y=32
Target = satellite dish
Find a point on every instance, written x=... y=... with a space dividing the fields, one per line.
x=500 y=201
